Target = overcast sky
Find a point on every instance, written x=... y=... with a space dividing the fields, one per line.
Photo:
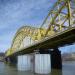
x=17 y=13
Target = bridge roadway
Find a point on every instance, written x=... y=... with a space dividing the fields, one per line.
x=60 y=39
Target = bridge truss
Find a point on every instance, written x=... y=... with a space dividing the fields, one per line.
x=60 y=18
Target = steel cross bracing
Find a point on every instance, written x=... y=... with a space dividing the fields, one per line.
x=60 y=18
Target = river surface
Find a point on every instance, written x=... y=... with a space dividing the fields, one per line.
x=68 y=69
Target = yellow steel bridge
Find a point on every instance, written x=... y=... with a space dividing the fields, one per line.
x=57 y=29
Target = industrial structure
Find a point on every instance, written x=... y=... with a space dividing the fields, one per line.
x=57 y=30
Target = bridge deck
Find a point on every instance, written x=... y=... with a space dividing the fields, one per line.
x=60 y=39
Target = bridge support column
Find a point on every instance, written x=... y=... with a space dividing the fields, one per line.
x=24 y=62
x=42 y=62
x=7 y=60
x=56 y=61
x=11 y=60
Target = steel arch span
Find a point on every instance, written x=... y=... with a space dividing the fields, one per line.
x=24 y=37
x=59 y=19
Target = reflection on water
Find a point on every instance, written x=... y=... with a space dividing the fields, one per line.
x=68 y=69
x=56 y=72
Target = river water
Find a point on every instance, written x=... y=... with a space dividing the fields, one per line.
x=68 y=69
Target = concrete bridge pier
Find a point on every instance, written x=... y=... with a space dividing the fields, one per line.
x=42 y=62
x=24 y=62
x=55 y=58
x=11 y=60
x=56 y=61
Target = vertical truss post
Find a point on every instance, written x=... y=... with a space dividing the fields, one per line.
x=55 y=18
x=60 y=27
x=69 y=12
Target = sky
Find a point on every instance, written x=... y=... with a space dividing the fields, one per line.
x=17 y=13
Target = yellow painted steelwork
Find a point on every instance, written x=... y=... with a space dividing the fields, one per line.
x=60 y=18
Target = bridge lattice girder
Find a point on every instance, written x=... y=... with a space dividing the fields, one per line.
x=60 y=18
